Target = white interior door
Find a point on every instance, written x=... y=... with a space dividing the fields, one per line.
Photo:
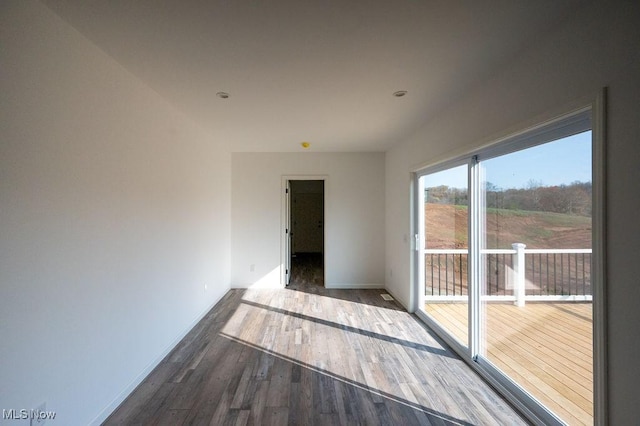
x=287 y=230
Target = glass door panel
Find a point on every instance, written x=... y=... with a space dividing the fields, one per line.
x=535 y=273
x=444 y=249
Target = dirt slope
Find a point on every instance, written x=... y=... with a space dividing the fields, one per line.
x=446 y=227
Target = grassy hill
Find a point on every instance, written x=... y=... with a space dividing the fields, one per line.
x=446 y=227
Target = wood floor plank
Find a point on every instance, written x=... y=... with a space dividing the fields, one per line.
x=150 y=394
x=257 y=399
x=279 y=384
x=306 y=355
x=170 y=418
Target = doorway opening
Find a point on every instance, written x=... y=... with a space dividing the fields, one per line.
x=304 y=234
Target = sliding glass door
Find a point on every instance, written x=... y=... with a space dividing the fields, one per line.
x=504 y=261
x=536 y=249
x=445 y=251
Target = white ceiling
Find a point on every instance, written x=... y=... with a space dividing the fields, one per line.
x=312 y=70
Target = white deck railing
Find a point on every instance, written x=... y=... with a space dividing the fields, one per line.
x=516 y=278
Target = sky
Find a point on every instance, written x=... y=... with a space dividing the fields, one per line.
x=560 y=162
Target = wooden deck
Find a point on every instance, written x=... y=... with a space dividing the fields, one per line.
x=545 y=347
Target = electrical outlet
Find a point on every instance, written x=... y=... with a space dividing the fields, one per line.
x=252 y=267
x=38 y=415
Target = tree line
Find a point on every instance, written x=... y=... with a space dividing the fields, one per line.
x=573 y=199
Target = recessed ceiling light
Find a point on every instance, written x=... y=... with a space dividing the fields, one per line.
x=222 y=95
x=399 y=93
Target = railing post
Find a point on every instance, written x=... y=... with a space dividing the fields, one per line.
x=518 y=272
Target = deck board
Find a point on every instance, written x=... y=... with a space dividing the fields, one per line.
x=545 y=347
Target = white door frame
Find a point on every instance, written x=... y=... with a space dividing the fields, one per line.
x=285 y=240
x=287 y=233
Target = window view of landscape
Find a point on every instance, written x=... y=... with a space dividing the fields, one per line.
x=446 y=248
x=541 y=217
x=535 y=278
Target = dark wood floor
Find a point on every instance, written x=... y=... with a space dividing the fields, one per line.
x=307 y=272
x=306 y=355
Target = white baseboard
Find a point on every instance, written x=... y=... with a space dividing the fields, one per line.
x=106 y=412
x=256 y=285
x=348 y=286
x=399 y=300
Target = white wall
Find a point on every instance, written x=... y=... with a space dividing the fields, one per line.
x=354 y=216
x=598 y=48
x=114 y=214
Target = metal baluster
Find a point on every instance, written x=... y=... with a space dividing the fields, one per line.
x=576 y=273
x=453 y=272
x=507 y=259
x=439 y=280
x=584 y=292
x=547 y=287
x=561 y=274
x=540 y=277
x=433 y=287
x=446 y=272
x=569 y=272
x=460 y=271
x=539 y=282
x=533 y=269
x=498 y=273
x=430 y=263
x=504 y=276
x=555 y=283
x=493 y=263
